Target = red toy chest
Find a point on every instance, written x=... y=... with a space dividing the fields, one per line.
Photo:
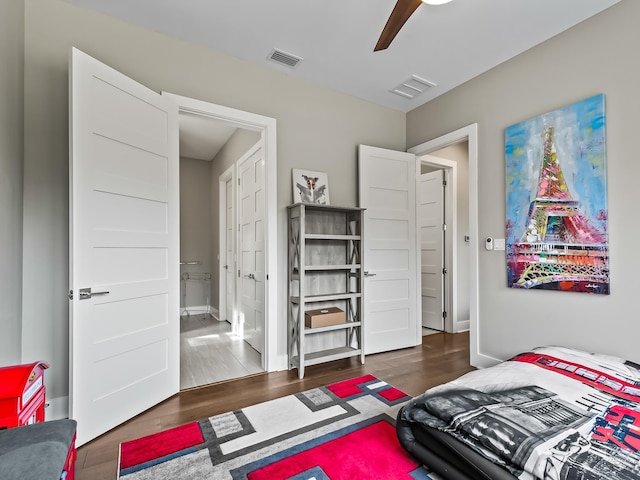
x=22 y=394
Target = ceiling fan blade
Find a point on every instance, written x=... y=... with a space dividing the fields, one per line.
x=400 y=14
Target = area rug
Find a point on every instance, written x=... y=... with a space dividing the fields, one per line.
x=342 y=431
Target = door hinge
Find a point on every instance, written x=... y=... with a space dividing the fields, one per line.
x=444 y=183
x=238 y=273
x=444 y=271
x=238 y=182
x=444 y=314
x=444 y=227
x=70 y=294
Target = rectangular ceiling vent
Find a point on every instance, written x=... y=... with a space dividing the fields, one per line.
x=284 y=58
x=413 y=87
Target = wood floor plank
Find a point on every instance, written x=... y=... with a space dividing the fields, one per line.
x=441 y=358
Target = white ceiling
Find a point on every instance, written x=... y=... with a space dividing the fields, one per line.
x=202 y=137
x=447 y=44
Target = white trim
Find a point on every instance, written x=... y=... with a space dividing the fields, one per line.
x=267 y=127
x=56 y=408
x=470 y=134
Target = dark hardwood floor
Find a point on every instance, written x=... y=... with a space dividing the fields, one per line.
x=442 y=357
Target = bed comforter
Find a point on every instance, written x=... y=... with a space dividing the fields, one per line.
x=552 y=413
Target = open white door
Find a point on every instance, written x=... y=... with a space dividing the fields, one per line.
x=387 y=181
x=431 y=219
x=124 y=246
x=251 y=258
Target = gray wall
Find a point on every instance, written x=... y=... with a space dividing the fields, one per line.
x=317 y=128
x=597 y=56
x=195 y=223
x=199 y=209
x=11 y=152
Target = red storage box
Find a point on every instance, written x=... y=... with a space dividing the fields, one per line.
x=22 y=394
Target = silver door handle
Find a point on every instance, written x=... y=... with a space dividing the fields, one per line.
x=367 y=274
x=86 y=293
x=251 y=275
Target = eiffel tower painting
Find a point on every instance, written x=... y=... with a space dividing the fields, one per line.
x=556 y=200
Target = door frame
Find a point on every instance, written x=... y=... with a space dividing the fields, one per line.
x=470 y=134
x=266 y=126
x=229 y=175
x=450 y=169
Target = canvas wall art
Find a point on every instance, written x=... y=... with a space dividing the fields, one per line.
x=556 y=206
x=310 y=187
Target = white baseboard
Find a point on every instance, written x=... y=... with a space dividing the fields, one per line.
x=196 y=310
x=461 y=326
x=281 y=363
x=56 y=408
x=480 y=360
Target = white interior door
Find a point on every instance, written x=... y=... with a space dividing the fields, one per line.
x=431 y=219
x=251 y=259
x=227 y=246
x=387 y=181
x=230 y=251
x=124 y=246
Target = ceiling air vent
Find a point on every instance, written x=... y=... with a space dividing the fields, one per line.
x=284 y=58
x=413 y=87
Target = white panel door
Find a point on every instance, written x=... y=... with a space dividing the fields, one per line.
x=251 y=260
x=431 y=220
x=387 y=181
x=124 y=246
x=228 y=255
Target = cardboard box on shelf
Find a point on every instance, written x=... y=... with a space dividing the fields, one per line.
x=323 y=317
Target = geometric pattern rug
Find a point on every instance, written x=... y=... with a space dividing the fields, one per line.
x=342 y=431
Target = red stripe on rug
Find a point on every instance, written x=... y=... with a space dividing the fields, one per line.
x=372 y=452
x=392 y=394
x=159 y=444
x=350 y=387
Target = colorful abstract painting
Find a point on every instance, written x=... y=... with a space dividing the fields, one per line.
x=557 y=235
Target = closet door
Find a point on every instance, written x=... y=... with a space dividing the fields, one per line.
x=251 y=255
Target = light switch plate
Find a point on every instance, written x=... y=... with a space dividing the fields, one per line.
x=498 y=244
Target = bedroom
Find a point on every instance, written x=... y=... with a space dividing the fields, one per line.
x=594 y=57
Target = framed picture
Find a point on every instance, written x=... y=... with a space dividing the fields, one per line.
x=557 y=214
x=310 y=187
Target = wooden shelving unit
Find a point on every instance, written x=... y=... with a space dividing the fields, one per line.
x=324 y=269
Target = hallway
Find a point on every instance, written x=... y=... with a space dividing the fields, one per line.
x=210 y=353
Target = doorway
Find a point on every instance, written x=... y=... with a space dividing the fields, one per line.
x=452 y=162
x=469 y=265
x=212 y=348
x=214 y=142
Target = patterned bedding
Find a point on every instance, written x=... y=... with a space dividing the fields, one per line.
x=552 y=413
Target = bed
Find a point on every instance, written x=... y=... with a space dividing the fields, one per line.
x=551 y=413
